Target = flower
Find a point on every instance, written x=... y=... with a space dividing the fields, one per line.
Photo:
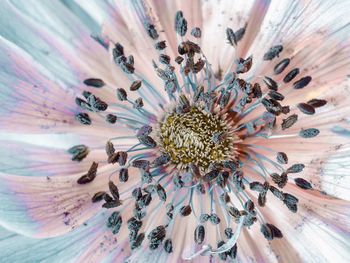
x=197 y=130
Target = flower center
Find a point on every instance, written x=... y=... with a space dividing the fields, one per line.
x=196 y=137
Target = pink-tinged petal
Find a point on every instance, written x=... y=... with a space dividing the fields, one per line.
x=166 y=11
x=320 y=224
x=317 y=42
x=131 y=35
x=217 y=16
x=32 y=101
x=47 y=206
x=256 y=18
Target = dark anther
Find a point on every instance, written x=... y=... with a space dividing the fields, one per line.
x=232 y=165
x=83 y=118
x=138 y=104
x=161 y=160
x=144 y=131
x=266 y=231
x=121 y=94
x=214 y=219
x=96 y=103
x=249 y=206
x=90 y=176
x=221 y=180
x=177 y=180
x=288 y=198
x=282 y=158
x=114 y=190
x=278 y=69
x=199 y=234
x=301 y=83
x=309 y=133
x=201 y=188
x=296 y=168
x=270 y=83
x=256 y=186
x=111 y=118
x=306 y=108
x=316 y=103
x=157 y=234
x=228 y=232
x=148 y=141
x=141 y=164
x=234 y=37
x=79 y=152
x=208 y=177
x=302 y=183
x=196 y=32
x=137 y=193
x=185 y=210
x=161 y=192
x=244 y=65
x=232 y=253
x=225 y=197
x=188 y=47
x=257 y=93
x=223 y=255
x=234 y=212
x=198 y=66
x=110 y=202
x=240 y=33
x=151 y=30
x=285 y=109
x=280 y=180
x=289 y=122
x=123 y=175
x=262 y=199
x=109 y=148
x=135 y=85
x=275 y=95
x=276 y=233
x=272 y=106
x=276 y=192
x=165 y=59
x=97 y=83
x=145 y=200
x=291 y=75
x=82 y=103
x=168 y=246
x=137 y=241
x=270 y=231
x=118 y=51
x=130 y=60
x=273 y=52
x=180 y=24
x=160 y=45
x=179 y=59
x=98 y=197
x=115 y=222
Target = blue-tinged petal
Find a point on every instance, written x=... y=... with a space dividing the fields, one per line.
x=48 y=206
x=20 y=158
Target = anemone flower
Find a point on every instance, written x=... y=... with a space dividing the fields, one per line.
x=174 y=131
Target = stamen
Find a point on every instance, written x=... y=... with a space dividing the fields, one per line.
x=79 y=152
x=96 y=83
x=301 y=83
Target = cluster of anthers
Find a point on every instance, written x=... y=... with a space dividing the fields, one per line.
x=196 y=146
